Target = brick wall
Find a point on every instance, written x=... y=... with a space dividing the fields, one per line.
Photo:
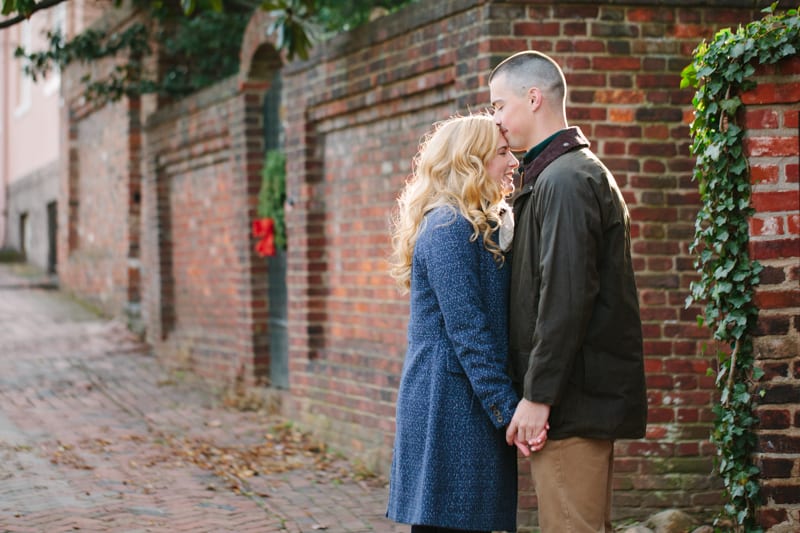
x=98 y=211
x=355 y=120
x=355 y=112
x=353 y=115
x=205 y=291
x=771 y=144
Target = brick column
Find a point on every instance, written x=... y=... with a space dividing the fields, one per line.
x=771 y=144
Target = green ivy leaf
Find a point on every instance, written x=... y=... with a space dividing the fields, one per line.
x=688 y=76
x=720 y=71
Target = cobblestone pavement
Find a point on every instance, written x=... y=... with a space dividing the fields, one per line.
x=96 y=436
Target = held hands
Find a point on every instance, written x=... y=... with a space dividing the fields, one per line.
x=528 y=428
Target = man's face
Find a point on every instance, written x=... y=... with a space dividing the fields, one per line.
x=512 y=112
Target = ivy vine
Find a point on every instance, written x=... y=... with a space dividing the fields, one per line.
x=720 y=71
x=198 y=51
x=198 y=40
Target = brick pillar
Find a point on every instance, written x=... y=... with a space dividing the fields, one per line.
x=771 y=144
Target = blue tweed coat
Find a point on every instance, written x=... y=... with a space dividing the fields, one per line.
x=451 y=465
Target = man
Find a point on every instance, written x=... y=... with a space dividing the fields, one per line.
x=575 y=339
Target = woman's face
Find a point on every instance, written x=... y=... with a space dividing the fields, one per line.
x=502 y=165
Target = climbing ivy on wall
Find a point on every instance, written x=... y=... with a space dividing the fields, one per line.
x=199 y=40
x=720 y=71
x=198 y=51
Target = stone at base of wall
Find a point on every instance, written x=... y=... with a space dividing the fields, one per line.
x=676 y=521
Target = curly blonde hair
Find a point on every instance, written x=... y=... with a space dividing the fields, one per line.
x=449 y=170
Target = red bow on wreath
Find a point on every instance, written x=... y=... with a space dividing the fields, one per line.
x=264 y=228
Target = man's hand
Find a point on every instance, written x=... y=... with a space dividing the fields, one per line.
x=528 y=427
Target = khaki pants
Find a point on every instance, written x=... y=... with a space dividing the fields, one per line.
x=573 y=479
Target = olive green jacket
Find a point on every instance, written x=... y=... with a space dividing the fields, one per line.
x=575 y=336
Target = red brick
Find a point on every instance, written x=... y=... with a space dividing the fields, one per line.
x=777 y=299
x=792 y=172
x=774 y=419
x=756 y=119
x=651 y=449
x=657 y=415
x=771 y=93
x=769 y=517
x=772 y=325
x=685 y=331
x=766 y=226
x=693 y=31
x=537 y=28
x=774 y=249
x=764 y=174
x=782 y=494
x=616 y=63
x=793 y=224
x=657 y=81
x=655 y=248
x=686 y=382
x=776 y=201
x=772 y=146
x=774 y=370
x=652 y=365
x=660 y=214
x=780 y=393
x=790 y=120
x=655 y=432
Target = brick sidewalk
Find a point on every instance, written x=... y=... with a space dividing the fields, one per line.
x=96 y=436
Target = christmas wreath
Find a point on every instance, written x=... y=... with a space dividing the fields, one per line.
x=270 y=227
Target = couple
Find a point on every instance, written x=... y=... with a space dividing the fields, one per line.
x=550 y=314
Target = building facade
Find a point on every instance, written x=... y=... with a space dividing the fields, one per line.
x=30 y=134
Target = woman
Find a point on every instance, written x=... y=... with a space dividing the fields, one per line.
x=452 y=469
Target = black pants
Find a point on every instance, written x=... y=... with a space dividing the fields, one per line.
x=434 y=529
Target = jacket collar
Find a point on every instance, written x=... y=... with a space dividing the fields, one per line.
x=566 y=141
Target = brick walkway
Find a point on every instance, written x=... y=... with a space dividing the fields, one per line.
x=96 y=436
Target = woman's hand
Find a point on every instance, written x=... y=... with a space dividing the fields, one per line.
x=528 y=428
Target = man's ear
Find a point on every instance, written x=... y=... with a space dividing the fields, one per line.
x=534 y=98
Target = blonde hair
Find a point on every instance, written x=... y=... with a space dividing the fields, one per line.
x=449 y=170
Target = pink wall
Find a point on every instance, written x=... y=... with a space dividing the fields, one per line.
x=30 y=113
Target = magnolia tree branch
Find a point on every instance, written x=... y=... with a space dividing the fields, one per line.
x=44 y=4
